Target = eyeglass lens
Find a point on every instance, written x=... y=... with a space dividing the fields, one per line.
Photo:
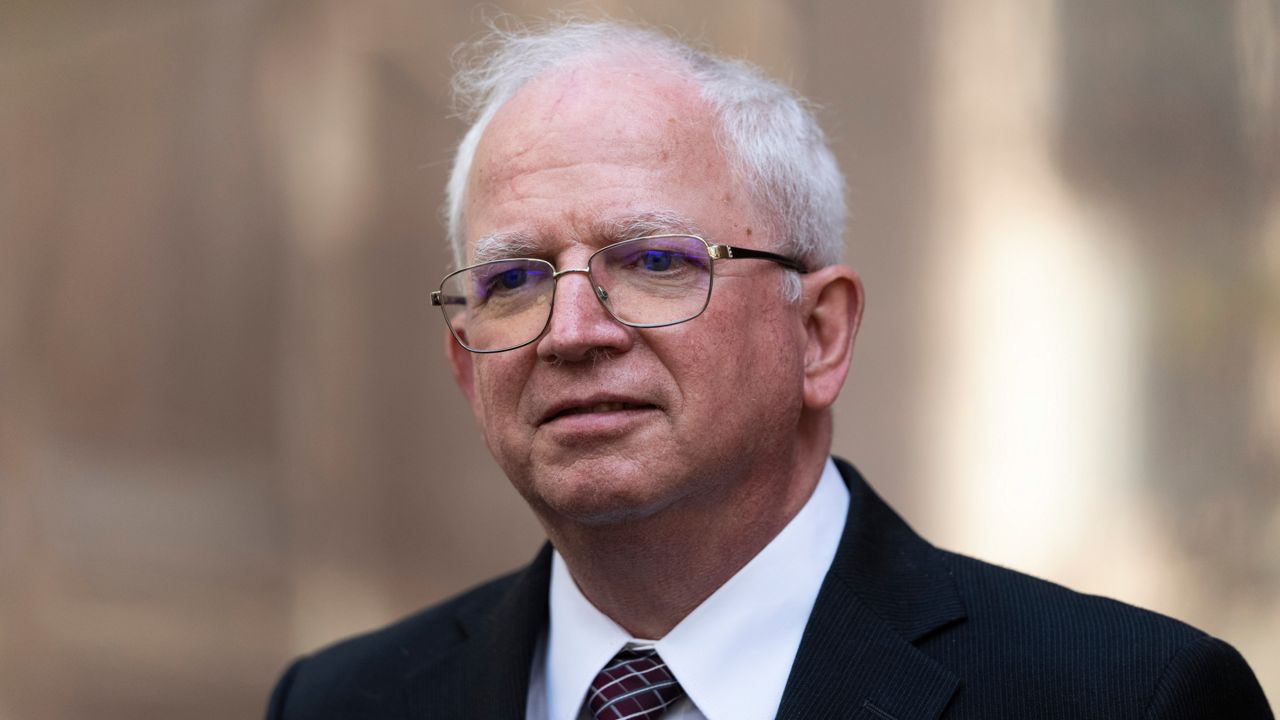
x=647 y=282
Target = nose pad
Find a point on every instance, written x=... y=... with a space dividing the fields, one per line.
x=579 y=328
x=600 y=293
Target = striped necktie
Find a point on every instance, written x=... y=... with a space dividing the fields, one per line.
x=635 y=685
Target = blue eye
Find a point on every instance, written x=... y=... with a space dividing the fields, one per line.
x=505 y=282
x=513 y=278
x=657 y=260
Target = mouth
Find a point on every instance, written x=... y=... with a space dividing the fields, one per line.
x=596 y=408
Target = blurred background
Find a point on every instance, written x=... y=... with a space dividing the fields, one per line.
x=228 y=434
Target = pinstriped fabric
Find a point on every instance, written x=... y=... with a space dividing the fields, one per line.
x=635 y=685
x=900 y=630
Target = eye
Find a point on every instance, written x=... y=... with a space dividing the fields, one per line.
x=509 y=279
x=512 y=279
x=505 y=281
x=657 y=260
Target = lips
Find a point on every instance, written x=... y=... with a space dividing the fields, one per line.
x=592 y=405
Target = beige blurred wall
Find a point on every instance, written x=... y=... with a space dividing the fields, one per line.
x=228 y=434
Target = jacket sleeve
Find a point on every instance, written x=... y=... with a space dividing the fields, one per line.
x=1208 y=679
x=280 y=695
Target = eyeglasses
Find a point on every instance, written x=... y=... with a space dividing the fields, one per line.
x=646 y=282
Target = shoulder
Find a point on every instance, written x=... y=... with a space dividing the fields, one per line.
x=362 y=675
x=1024 y=638
x=1024 y=647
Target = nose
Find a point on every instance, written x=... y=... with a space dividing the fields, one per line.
x=581 y=328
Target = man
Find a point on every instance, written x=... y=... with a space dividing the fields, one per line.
x=651 y=326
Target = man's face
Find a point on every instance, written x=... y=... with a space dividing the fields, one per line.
x=597 y=422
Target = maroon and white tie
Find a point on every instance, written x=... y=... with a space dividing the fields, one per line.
x=635 y=685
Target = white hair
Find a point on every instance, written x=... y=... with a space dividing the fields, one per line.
x=767 y=131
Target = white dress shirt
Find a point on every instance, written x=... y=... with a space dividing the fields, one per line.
x=732 y=654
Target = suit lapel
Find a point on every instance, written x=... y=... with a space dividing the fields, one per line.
x=886 y=589
x=487 y=674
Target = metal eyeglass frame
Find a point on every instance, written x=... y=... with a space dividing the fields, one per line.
x=714 y=252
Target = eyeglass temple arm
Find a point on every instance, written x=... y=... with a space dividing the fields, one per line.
x=729 y=252
x=438 y=299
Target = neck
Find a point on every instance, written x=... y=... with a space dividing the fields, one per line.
x=647 y=574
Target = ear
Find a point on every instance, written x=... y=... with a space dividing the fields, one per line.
x=462 y=362
x=832 y=305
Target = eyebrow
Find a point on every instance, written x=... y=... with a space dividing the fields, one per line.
x=627 y=227
x=503 y=245
x=521 y=243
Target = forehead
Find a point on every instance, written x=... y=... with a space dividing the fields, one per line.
x=587 y=143
x=627 y=103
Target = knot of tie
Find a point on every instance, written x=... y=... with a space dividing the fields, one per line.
x=635 y=685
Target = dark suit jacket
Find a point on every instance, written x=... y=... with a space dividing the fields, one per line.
x=901 y=630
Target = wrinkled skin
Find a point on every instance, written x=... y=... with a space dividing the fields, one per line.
x=727 y=419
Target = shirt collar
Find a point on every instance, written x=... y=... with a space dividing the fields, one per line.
x=748 y=630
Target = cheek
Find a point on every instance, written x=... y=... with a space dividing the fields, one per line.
x=765 y=367
x=751 y=363
x=499 y=385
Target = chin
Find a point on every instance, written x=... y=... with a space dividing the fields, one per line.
x=600 y=492
x=615 y=512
